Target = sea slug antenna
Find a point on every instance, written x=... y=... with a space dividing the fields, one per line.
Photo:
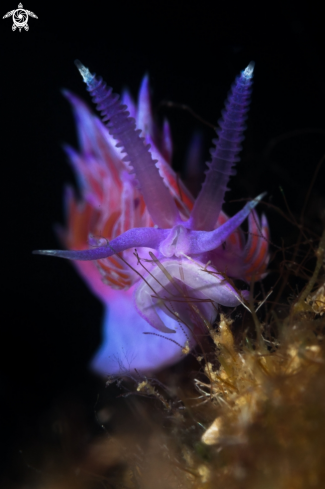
x=121 y=126
x=84 y=72
x=208 y=204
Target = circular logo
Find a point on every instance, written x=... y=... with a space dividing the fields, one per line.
x=20 y=18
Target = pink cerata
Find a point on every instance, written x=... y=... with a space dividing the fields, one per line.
x=160 y=260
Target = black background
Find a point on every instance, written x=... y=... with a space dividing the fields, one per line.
x=50 y=323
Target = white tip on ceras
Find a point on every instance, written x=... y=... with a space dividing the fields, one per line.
x=248 y=71
x=84 y=72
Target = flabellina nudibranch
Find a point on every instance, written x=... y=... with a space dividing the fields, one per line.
x=159 y=299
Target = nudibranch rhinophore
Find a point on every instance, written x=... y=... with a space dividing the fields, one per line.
x=160 y=298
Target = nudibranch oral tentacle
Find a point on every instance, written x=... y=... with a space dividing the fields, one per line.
x=186 y=248
x=170 y=242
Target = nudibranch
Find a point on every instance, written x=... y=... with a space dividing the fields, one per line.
x=160 y=261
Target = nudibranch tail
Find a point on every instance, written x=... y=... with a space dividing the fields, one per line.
x=121 y=126
x=230 y=134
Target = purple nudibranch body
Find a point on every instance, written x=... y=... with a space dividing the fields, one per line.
x=132 y=200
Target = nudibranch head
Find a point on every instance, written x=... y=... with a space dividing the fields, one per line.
x=132 y=200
